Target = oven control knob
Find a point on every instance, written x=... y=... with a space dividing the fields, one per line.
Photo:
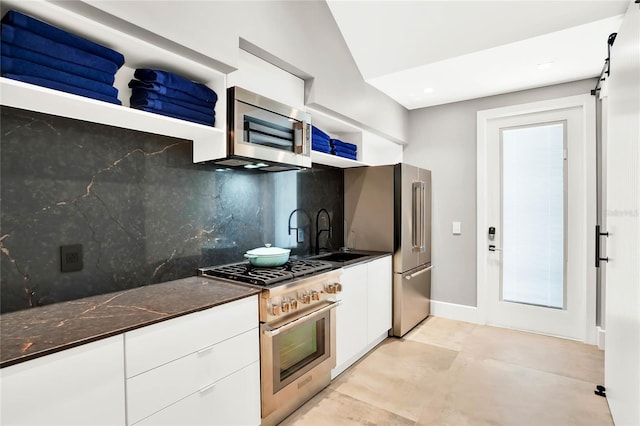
x=306 y=298
x=276 y=310
x=285 y=307
x=331 y=288
x=315 y=295
x=338 y=287
x=294 y=304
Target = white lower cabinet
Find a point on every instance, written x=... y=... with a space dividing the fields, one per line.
x=379 y=298
x=364 y=316
x=234 y=400
x=79 y=386
x=351 y=315
x=200 y=368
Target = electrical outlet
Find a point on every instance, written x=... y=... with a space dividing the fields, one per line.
x=71 y=258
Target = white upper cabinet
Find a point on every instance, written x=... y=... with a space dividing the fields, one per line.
x=373 y=150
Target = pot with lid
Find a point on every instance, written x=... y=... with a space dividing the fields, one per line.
x=268 y=256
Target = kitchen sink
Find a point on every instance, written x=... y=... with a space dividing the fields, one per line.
x=340 y=256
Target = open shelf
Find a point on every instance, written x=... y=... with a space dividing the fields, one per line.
x=141 y=50
x=334 y=160
x=41 y=99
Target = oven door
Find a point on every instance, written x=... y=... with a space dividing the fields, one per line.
x=297 y=357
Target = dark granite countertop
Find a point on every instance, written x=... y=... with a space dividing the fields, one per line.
x=35 y=332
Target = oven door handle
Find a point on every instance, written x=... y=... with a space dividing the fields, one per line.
x=270 y=331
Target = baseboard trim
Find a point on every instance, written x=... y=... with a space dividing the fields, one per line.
x=601 y=335
x=455 y=312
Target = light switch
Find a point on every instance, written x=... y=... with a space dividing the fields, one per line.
x=455 y=228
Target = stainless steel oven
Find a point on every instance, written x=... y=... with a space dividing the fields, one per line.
x=297 y=343
x=297 y=329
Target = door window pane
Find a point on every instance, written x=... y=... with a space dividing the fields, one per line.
x=533 y=210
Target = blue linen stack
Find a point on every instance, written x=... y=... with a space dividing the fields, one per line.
x=320 y=141
x=38 y=53
x=344 y=149
x=166 y=93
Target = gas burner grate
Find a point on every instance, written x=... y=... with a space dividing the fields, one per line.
x=245 y=272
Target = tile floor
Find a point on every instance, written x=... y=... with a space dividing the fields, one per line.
x=447 y=372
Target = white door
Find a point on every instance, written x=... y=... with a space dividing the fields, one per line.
x=622 y=348
x=537 y=206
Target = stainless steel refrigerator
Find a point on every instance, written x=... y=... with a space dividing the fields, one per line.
x=388 y=208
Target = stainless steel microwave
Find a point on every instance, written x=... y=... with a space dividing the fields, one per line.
x=265 y=134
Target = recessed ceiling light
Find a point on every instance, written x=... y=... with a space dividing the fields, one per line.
x=428 y=90
x=545 y=65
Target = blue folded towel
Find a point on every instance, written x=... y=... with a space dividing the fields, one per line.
x=21 y=67
x=38 y=58
x=345 y=150
x=50 y=32
x=321 y=149
x=169 y=92
x=170 y=114
x=346 y=145
x=318 y=139
x=345 y=155
x=316 y=131
x=140 y=94
x=172 y=108
x=63 y=88
x=176 y=82
x=28 y=40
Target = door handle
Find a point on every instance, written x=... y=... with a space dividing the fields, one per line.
x=415 y=274
x=598 y=235
x=494 y=248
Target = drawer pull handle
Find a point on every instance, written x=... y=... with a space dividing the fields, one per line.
x=207 y=388
x=205 y=350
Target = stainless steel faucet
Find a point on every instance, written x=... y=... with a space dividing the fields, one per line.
x=320 y=231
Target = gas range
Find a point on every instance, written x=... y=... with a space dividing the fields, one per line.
x=263 y=277
x=290 y=290
x=297 y=328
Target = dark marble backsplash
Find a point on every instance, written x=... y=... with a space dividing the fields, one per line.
x=142 y=211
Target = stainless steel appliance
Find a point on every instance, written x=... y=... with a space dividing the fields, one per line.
x=265 y=134
x=388 y=208
x=297 y=329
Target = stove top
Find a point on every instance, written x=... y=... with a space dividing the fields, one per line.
x=261 y=276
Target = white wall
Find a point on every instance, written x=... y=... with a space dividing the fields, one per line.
x=300 y=35
x=443 y=140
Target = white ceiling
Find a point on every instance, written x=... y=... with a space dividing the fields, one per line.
x=429 y=52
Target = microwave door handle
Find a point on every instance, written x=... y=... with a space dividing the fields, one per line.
x=298 y=137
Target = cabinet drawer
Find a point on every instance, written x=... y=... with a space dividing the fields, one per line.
x=234 y=400
x=78 y=386
x=158 y=344
x=156 y=389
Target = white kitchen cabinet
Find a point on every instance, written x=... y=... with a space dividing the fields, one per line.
x=180 y=369
x=364 y=317
x=234 y=400
x=379 y=298
x=79 y=386
x=373 y=150
x=351 y=315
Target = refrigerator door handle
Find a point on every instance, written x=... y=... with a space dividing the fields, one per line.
x=422 y=271
x=415 y=188
x=423 y=198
